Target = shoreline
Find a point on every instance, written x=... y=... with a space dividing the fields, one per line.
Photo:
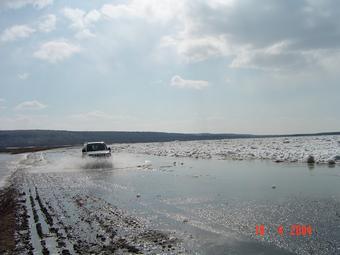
x=20 y=150
x=314 y=150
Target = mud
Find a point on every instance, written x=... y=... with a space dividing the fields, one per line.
x=8 y=205
x=14 y=222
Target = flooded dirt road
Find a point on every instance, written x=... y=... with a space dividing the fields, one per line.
x=142 y=204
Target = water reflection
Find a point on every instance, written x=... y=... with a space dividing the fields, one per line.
x=311 y=168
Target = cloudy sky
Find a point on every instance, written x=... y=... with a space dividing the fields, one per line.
x=164 y=65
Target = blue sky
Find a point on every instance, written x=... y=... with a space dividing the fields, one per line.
x=262 y=67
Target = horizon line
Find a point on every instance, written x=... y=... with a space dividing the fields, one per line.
x=184 y=133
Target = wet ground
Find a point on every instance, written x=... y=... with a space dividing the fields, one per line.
x=6 y=167
x=162 y=205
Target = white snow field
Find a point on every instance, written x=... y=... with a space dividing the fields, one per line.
x=324 y=149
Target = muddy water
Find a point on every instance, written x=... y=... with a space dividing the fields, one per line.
x=152 y=205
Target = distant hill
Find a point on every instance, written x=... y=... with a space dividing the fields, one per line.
x=25 y=138
x=52 y=138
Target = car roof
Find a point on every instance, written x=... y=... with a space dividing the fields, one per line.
x=93 y=143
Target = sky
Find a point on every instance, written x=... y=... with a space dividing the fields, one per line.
x=220 y=66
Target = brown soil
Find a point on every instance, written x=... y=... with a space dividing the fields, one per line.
x=8 y=204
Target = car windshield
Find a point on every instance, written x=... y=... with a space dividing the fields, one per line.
x=96 y=147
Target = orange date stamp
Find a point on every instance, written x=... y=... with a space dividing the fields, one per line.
x=294 y=230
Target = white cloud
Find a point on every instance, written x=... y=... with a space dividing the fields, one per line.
x=150 y=10
x=276 y=57
x=30 y=105
x=83 y=34
x=56 y=51
x=277 y=48
x=218 y=3
x=82 y=21
x=47 y=23
x=247 y=34
x=92 y=17
x=196 y=49
x=15 y=4
x=16 y=32
x=117 y=11
x=23 y=76
x=177 y=81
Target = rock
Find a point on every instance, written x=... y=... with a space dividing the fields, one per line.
x=331 y=162
x=138 y=195
x=273 y=186
x=336 y=157
x=310 y=159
